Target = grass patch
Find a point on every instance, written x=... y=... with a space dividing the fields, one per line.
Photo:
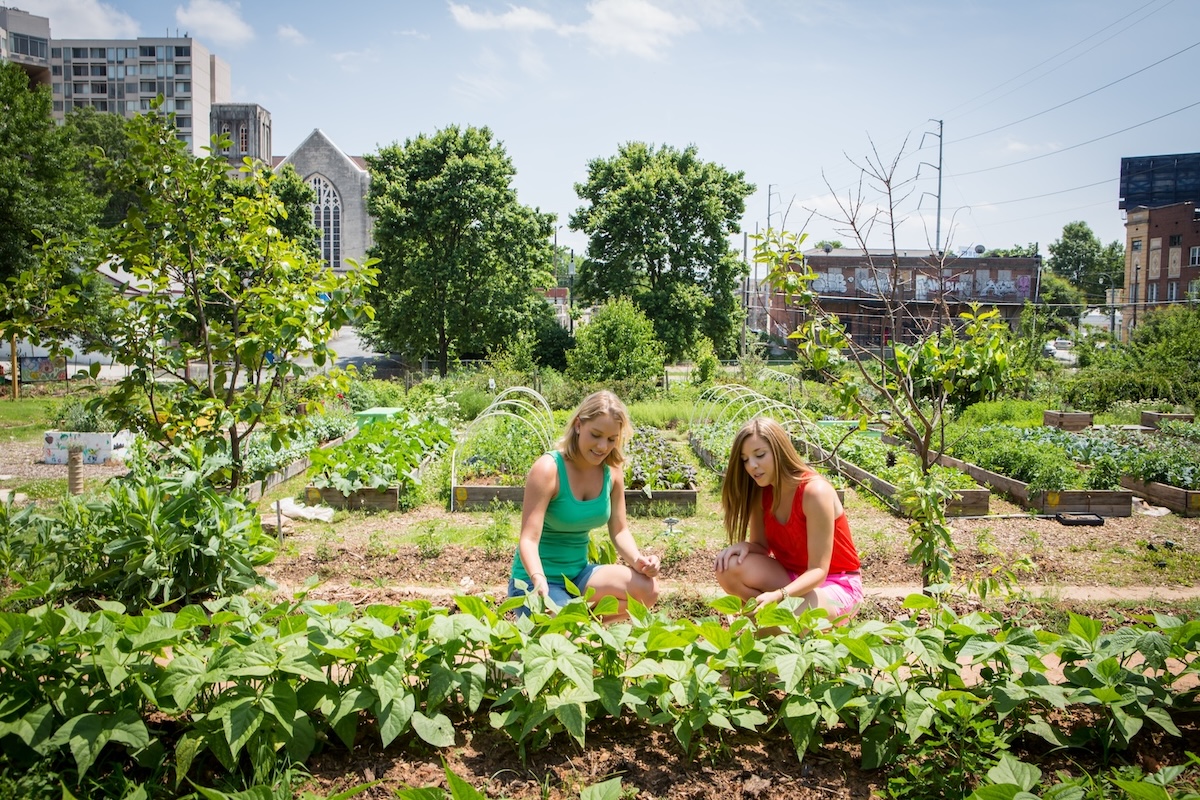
x=26 y=419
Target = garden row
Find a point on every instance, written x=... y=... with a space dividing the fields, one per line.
x=234 y=686
x=1046 y=469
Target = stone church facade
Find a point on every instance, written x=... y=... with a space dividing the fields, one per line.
x=341 y=183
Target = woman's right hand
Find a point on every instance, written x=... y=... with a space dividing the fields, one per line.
x=540 y=585
x=732 y=556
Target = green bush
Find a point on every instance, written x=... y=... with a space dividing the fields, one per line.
x=707 y=364
x=1019 y=413
x=73 y=414
x=160 y=535
x=617 y=348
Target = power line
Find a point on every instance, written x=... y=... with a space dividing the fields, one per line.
x=1075 y=99
x=1067 y=50
x=1076 y=146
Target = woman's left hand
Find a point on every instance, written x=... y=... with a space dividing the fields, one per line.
x=647 y=565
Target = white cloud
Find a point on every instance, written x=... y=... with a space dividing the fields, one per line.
x=214 y=21
x=83 y=19
x=290 y=34
x=638 y=27
x=352 y=60
x=517 y=18
x=412 y=32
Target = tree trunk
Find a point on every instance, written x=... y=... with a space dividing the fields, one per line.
x=15 y=381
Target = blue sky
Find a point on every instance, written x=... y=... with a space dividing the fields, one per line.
x=1039 y=100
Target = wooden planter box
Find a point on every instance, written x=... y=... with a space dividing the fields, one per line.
x=1067 y=420
x=1181 y=501
x=255 y=491
x=1102 y=502
x=480 y=498
x=368 y=499
x=1150 y=419
x=966 y=502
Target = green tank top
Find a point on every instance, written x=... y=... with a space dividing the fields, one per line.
x=566 y=528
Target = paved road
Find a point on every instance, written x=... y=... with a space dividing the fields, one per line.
x=346 y=344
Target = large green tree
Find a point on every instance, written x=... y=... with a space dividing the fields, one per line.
x=103 y=142
x=462 y=262
x=658 y=222
x=1090 y=266
x=43 y=196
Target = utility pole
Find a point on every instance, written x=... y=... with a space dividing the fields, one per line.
x=745 y=294
x=938 y=236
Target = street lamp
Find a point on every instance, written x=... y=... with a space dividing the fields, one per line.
x=571 y=290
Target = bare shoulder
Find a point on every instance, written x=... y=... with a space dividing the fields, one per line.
x=820 y=492
x=618 y=478
x=543 y=475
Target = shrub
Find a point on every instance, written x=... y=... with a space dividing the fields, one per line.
x=161 y=535
x=617 y=346
x=75 y=415
x=706 y=365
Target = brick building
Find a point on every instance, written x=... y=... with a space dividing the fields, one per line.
x=927 y=291
x=1162 y=258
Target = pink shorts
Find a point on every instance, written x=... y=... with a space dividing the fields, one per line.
x=843 y=590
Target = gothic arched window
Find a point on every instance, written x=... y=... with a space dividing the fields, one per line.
x=327 y=217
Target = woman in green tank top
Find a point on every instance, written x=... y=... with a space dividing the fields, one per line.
x=570 y=491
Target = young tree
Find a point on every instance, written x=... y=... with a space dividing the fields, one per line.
x=218 y=304
x=658 y=222
x=462 y=262
x=296 y=198
x=950 y=363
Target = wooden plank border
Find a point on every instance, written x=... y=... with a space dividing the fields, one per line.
x=1181 y=501
x=480 y=498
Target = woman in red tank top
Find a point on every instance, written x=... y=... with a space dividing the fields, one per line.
x=788 y=532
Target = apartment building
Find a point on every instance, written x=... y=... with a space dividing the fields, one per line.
x=121 y=76
x=1162 y=258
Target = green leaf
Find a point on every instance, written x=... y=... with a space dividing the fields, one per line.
x=186 y=749
x=605 y=790
x=460 y=789
x=395 y=716
x=1141 y=790
x=1013 y=770
x=436 y=731
x=88 y=733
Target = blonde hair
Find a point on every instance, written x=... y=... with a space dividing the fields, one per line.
x=739 y=492
x=595 y=405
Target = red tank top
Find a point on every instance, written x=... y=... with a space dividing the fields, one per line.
x=788 y=542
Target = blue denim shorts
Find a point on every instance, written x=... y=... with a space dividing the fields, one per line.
x=558 y=591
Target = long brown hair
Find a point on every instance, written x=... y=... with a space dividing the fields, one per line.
x=595 y=405
x=739 y=492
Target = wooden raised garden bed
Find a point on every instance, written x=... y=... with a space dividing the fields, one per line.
x=1102 y=502
x=255 y=490
x=480 y=498
x=1150 y=419
x=1067 y=420
x=361 y=499
x=966 y=502
x=1182 y=501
